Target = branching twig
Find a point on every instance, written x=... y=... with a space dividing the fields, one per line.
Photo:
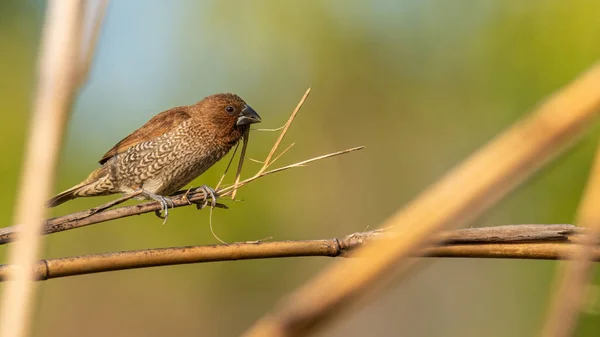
x=267 y=163
x=227 y=167
x=238 y=173
x=517 y=241
x=93 y=216
x=283 y=132
x=227 y=190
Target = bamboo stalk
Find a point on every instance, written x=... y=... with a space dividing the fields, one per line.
x=545 y=242
x=458 y=198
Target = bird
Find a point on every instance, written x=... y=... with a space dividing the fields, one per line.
x=169 y=151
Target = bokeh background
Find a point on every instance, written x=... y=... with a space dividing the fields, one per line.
x=421 y=83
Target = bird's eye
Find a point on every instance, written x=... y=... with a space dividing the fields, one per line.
x=230 y=109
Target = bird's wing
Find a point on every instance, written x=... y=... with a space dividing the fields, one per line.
x=155 y=127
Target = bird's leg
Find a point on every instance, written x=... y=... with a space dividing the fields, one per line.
x=164 y=204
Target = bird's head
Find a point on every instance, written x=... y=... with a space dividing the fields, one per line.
x=227 y=113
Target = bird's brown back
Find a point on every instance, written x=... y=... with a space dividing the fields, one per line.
x=154 y=128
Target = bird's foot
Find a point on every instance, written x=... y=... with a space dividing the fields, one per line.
x=164 y=204
x=208 y=192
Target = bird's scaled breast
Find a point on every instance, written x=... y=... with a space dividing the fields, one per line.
x=169 y=162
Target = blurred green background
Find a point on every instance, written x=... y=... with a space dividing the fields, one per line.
x=421 y=83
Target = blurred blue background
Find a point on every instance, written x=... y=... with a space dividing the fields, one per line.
x=421 y=83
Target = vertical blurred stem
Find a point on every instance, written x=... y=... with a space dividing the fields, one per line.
x=570 y=292
x=91 y=41
x=60 y=71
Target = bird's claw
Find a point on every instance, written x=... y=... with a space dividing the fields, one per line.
x=207 y=191
x=164 y=205
x=165 y=202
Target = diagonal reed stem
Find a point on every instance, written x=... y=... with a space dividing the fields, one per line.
x=458 y=198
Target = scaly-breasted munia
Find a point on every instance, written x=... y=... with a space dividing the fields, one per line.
x=169 y=151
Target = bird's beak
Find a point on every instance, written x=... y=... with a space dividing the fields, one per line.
x=248 y=116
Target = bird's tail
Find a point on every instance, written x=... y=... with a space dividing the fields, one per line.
x=64 y=196
x=92 y=186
